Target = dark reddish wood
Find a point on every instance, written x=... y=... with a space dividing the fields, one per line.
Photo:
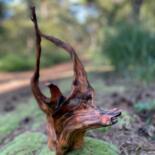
x=68 y=118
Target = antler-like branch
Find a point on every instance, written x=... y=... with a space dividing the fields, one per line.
x=80 y=83
x=40 y=97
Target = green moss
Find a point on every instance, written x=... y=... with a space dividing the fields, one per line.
x=93 y=146
x=6 y=128
x=24 y=144
x=45 y=151
x=15 y=118
x=35 y=143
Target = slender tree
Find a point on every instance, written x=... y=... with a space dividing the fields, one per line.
x=136 y=7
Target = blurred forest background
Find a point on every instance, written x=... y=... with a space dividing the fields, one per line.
x=115 y=39
x=120 y=33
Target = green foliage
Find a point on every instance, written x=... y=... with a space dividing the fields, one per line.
x=17 y=35
x=130 y=47
x=148 y=11
x=2 y=9
x=12 y=62
x=145 y=106
x=16 y=62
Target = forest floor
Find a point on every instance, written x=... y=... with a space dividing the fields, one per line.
x=134 y=134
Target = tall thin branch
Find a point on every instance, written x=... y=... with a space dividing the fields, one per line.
x=80 y=82
x=41 y=98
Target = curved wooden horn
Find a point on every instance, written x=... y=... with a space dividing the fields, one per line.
x=80 y=83
x=40 y=97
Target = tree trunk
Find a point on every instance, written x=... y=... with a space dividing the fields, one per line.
x=136 y=6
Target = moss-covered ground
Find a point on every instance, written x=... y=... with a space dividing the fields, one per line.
x=22 y=131
x=26 y=120
x=25 y=114
x=30 y=143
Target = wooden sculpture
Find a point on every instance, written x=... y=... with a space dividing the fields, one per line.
x=69 y=117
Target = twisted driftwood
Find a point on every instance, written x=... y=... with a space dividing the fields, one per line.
x=69 y=117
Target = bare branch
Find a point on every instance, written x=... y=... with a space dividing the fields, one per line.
x=41 y=98
x=80 y=83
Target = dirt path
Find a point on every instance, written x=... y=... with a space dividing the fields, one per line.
x=15 y=87
x=13 y=81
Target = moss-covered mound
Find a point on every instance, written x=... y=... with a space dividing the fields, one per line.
x=34 y=143
x=28 y=143
x=95 y=147
x=15 y=118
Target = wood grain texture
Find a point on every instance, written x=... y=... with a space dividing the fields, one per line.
x=68 y=118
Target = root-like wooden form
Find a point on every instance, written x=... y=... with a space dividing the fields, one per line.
x=69 y=117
